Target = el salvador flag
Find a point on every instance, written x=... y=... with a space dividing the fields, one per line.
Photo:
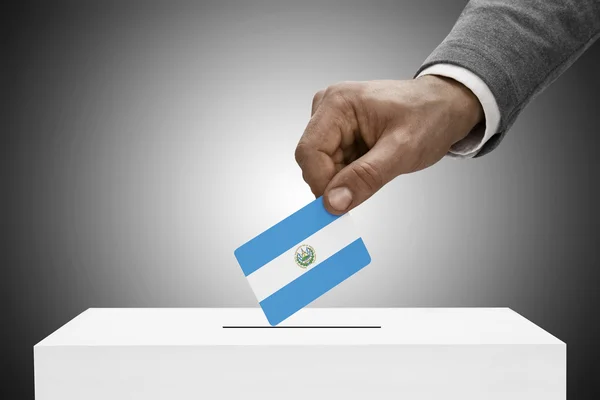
x=301 y=258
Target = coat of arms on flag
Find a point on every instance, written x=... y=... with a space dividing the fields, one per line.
x=305 y=255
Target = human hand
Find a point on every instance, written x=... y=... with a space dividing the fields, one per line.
x=361 y=135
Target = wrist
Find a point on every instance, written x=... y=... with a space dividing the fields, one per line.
x=462 y=104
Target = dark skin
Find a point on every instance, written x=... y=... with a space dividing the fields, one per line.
x=362 y=135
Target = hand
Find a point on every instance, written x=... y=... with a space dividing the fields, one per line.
x=364 y=134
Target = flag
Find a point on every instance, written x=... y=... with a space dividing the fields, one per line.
x=301 y=258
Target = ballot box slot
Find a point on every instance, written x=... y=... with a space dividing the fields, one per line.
x=302 y=327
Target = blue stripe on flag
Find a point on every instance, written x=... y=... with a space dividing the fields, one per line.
x=316 y=282
x=281 y=237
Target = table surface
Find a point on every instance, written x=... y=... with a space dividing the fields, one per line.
x=310 y=326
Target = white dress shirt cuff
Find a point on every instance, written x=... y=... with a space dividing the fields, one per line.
x=470 y=145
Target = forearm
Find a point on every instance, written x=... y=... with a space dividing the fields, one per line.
x=518 y=47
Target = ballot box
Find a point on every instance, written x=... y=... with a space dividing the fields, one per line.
x=339 y=353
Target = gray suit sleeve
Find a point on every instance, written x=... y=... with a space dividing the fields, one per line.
x=518 y=48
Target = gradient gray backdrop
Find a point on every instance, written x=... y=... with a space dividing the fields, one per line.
x=142 y=143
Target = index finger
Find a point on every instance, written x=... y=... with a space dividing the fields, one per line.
x=318 y=152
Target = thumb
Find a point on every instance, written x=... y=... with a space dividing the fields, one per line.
x=358 y=181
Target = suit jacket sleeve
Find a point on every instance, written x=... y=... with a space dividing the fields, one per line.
x=518 y=48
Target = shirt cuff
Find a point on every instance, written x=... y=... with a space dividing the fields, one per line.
x=470 y=145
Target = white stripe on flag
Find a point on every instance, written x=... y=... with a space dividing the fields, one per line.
x=283 y=269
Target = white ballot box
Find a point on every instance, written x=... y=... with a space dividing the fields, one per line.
x=339 y=353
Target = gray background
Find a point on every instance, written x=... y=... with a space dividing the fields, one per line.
x=142 y=143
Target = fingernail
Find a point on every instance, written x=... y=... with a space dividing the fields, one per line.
x=340 y=198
